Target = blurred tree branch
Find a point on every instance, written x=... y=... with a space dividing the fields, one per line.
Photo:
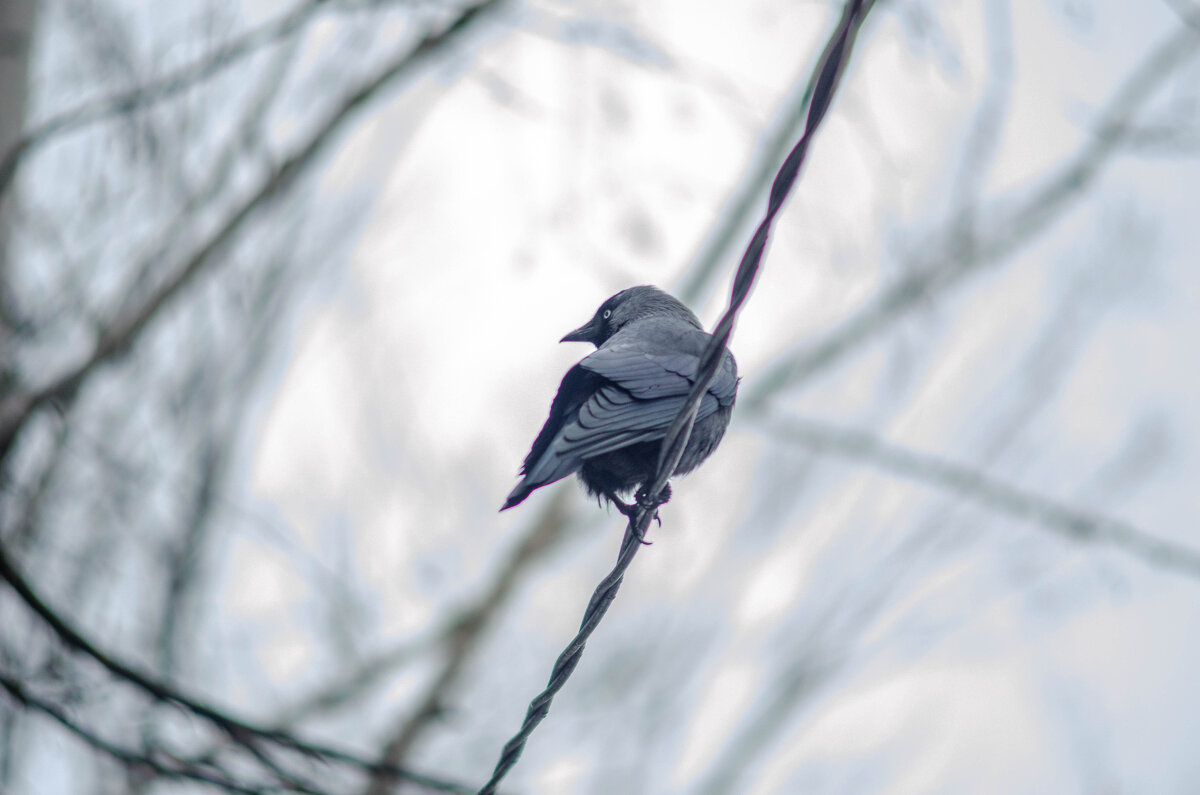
x=974 y=238
x=789 y=121
x=275 y=759
x=244 y=734
x=138 y=762
x=1188 y=12
x=458 y=638
x=124 y=328
x=464 y=633
x=964 y=248
x=180 y=525
x=978 y=486
x=223 y=57
x=740 y=209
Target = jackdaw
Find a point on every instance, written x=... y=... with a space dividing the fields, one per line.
x=614 y=407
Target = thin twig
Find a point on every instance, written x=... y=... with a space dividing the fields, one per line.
x=240 y=731
x=739 y=208
x=980 y=487
x=128 y=323
x=146 y=759
x=182 y=79
x=466 y=631
x=949 y=259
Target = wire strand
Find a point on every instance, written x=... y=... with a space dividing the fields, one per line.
x=829 y=71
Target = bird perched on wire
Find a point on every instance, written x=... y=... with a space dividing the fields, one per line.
x=613 y=409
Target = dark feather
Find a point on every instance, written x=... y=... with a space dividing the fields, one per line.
x=614 y=407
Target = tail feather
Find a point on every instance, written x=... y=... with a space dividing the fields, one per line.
x=518 y=495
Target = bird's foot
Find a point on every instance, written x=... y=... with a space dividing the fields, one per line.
x=630 y=509
x=643 y=498
x=642 y=501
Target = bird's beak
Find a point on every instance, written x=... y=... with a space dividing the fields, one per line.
x=585 y=333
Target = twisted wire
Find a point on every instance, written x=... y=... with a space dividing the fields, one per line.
x=829 y=70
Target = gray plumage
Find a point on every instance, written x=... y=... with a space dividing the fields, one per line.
x=614 y=407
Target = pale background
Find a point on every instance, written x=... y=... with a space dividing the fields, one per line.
x=914 y=565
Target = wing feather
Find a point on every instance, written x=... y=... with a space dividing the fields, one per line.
x=624 y=393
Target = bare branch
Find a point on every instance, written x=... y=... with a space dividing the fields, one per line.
x=222 y=58
x=243 y=733
x=977 y=486
x=147 y=761
x=1188 y=11
x=984 y=135
x=743 y=203
x=467 y=630
x=185 y=560
x=1172 y=140
x=795 y=111
x=955 y=255
x=127 y=325
x=249 y=135
x=789 y=691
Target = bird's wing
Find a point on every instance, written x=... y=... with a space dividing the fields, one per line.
x=649 y=374
x=622 y=394
x=576 y=387
x=612 y=418
x=637 y=394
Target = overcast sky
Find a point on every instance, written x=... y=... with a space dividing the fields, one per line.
x=812 y=616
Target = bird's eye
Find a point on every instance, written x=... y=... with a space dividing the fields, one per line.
x=607 y=314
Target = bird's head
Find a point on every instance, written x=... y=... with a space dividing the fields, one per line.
x=624 y=308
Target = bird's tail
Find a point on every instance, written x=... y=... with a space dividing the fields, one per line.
x=518 y=495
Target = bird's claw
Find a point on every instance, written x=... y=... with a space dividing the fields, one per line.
x=643 y=499
x=627 y=508
x=642 y=502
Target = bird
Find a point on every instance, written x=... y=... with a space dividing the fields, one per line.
x=614 y=407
